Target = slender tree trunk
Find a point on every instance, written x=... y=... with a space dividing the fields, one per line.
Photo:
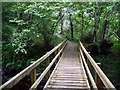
x=96 y=19
x=106 y=21
x=82 y=23
x=61 y=26
x=61 y=21
x=46 y=42
x=71 y=27
x=95 y=26
x=104 y=29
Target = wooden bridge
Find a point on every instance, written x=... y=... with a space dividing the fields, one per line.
x=74 y=69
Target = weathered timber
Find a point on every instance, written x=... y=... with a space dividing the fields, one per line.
x=69 y=72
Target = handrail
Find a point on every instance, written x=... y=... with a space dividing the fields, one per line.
x=88 y=71
x=10 y=83
x=46 y=70
x=100 y=73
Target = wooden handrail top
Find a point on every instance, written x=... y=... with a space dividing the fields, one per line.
x=14 y=80
x=97 y=69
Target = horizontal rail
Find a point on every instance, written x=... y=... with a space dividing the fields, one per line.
x=88 y=71
x=46 y=70
x=100 y=73
x=27 y=70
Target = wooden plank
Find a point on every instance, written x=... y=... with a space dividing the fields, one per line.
x=68 y=84
x=68 y=81
x=73 y=79
x=82 y=75
x=67 y=87
x=69 y=72
x=71 y=68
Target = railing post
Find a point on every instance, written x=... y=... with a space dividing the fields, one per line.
x=47 y=63
x=97 y=78
x=88 y=63
x=58 y=51
x=55 y=55
x=33 y=75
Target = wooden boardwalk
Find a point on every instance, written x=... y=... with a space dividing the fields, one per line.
x=69 y=72
x=72 y=71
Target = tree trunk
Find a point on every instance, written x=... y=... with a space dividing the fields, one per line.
x=61 y=22
x=106 y=21
x=104 y=29
x=61 y=26
x=95 y=26
x=71 y=27
x=47 y=42
x=96 y=10
x=82 y=23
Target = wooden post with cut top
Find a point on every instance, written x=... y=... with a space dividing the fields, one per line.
x=55 y=55
x=47 y=63
x=59 y=55
x=33 y=75
x=88 y=63
x=97 y=78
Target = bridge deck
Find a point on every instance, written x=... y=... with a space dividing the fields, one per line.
x=69 y=72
